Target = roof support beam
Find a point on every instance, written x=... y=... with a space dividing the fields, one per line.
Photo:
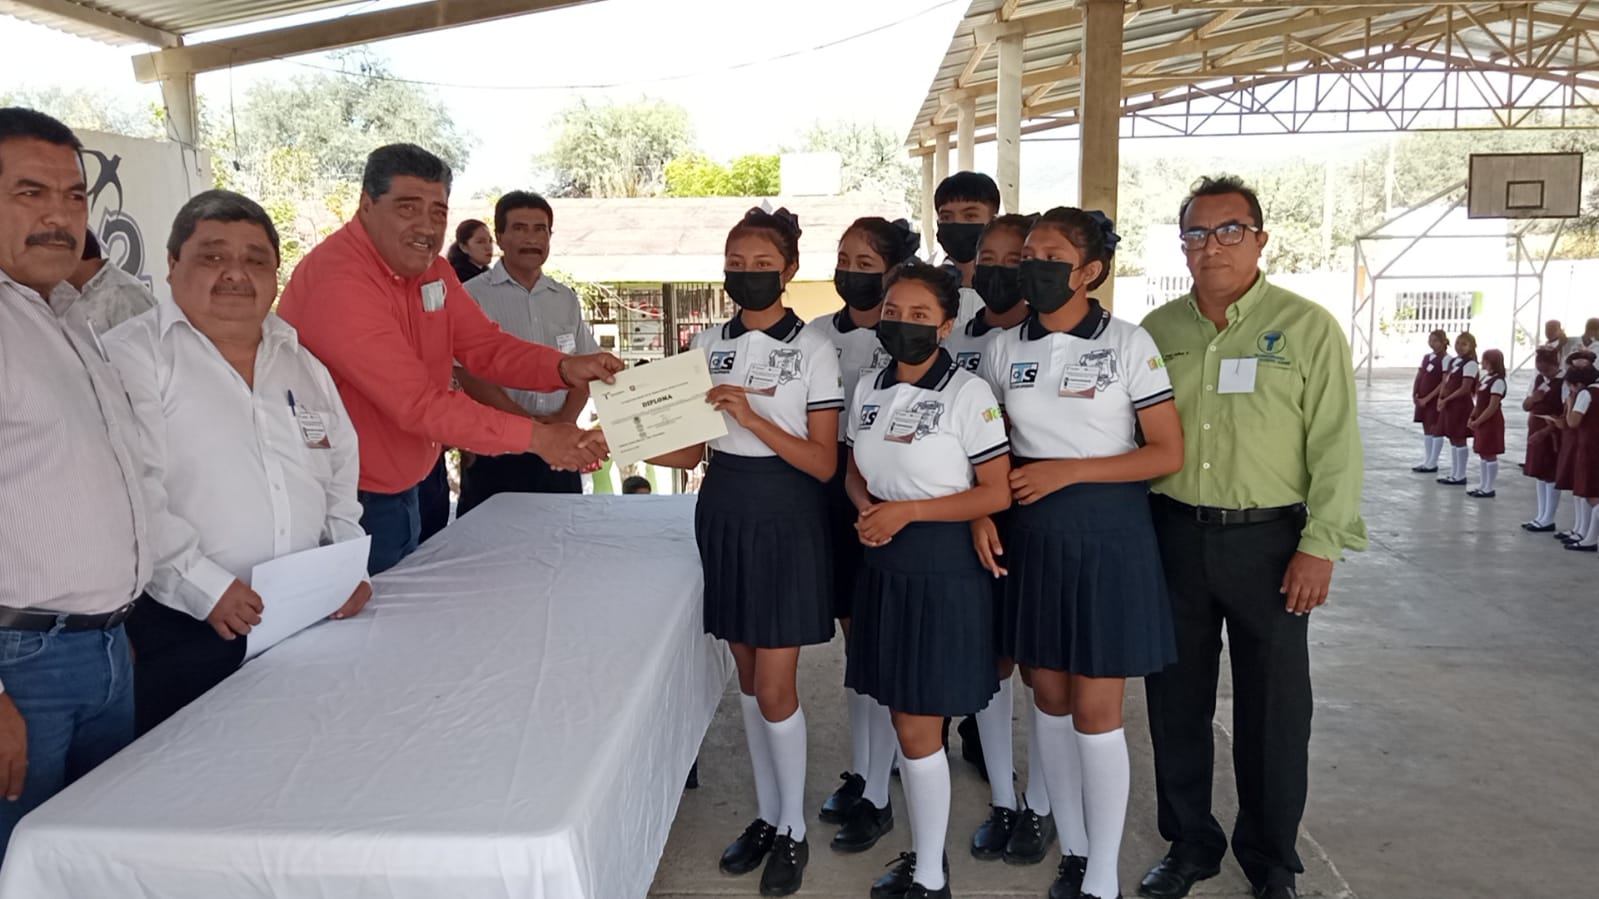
x=331 y=35
x=130 y=29
x=1099 y=108
x=1008 y=121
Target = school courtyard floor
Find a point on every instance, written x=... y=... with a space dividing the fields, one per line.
x=1457 y=714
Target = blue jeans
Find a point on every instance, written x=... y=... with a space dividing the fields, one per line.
x=395 y=522
x=75 y=693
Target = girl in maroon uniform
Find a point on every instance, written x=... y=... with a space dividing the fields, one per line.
x=1455 y=404
x=1487 y=423
x=1429 y=379
x=1543 y=439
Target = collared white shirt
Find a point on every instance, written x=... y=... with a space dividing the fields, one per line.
x=969 y=343
x=112 y=297
x=549 y=314
x=924 y=440
x=860 y=354
x=231 y=476
x=1584 y=400
x=971 y=304
x=72 y=510
x=1077 y=394
x=789 y=370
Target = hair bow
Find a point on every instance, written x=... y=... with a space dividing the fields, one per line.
x=1108 y=229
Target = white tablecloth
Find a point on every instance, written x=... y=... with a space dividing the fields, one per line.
x=512 y=716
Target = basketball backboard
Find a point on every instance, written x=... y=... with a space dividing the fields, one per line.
x=1524 y=185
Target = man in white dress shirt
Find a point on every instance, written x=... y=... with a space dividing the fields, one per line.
x=73 y=553
x=109 y=296
x=248 y=452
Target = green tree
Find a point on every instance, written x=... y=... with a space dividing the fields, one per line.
x=873 y=159
x=751 y=175
x=88 y=110
x=611 y=150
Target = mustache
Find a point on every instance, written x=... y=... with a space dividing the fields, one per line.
x=48 y=238
x=245 y=291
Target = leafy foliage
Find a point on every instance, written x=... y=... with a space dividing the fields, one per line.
x=751 y=175
x=874 y=159
x=611 y=150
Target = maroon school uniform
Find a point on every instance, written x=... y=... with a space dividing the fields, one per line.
x=1543 y=438
x=1488 y=437
x=1566 y=459
x=1585 y=474
x=1428 y=376
x=1458 y=411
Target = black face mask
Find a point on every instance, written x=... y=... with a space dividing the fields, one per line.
x=861 y=290
x=753 y=290
x=1045 y=285
x=999 y=287
x=908 y=342
x=959 y=239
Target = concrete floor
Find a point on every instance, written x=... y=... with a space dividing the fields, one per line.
x=1456 y=703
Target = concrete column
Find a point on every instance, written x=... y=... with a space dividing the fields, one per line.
x=929 y=214
x=966 y=134
x=1008 y=122
x=183 y=112
x=1099 y=162
x=940 y=157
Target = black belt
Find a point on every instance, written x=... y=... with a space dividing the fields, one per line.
x=42 y=620
x=1211 y=515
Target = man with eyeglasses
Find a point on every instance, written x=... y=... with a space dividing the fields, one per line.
x=1267 y=500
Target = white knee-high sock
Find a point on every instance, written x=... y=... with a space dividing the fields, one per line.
x=1458 y=458
x=1590 y=537
x=1482 y=474
x=1037 y=784
x=1106 y=780
x=1554 y=502
x=860 y=735
x=1493 y=475
x=788 y=759
x=994 y=732
x=1063 y=769
x=1584 y=516
x=760 y=759
x=1435 y=448
x=880 y=763
x=1543 y=503
x=926 y=782
x=1426 y=445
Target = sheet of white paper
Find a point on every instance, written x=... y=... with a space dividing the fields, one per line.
x=658 y=408
x=302 y=588
x=1237 y=375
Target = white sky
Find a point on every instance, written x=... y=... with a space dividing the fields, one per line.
x=689 y=52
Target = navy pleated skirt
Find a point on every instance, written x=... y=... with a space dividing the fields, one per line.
x=1004 y=611
x=1086 y=583
x=846 y=541
x=921 y=640
x=761 y=525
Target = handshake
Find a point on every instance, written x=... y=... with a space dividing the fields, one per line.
x=567 y=447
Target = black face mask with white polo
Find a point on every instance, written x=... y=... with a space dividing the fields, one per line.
x=908 y=342
x=1046 y=285
x=754 y=291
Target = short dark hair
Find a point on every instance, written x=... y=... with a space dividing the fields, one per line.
x=519 y=199
x=388 y=162
x=893 y=242
x=1085 y=232
x=782 y=228
x=633 y=482
x=219 y=206
x=1013 y=221
x=967 y=187
x=91 y=246
x=1547 y=355
x=17 y=123
x=944 y=284
x=1221 y=186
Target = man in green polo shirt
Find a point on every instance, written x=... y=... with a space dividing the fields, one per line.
x=1267 y=500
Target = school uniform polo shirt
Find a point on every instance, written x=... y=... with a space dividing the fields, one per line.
x=969 y=342
x=860 y=355
x=922 y=440
x=1076 y=394
x=788 y=370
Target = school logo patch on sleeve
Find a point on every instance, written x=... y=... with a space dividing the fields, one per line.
x=992 y=413
x=1156 y=363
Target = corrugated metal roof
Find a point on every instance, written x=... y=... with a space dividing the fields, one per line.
x=1179 y=39
x=178 y=17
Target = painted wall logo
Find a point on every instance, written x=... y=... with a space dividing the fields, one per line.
x=121 y=239
x=1272 y=343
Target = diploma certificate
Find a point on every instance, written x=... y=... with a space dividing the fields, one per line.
x=658 y=408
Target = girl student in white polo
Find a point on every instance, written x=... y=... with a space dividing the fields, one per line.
x=869 y=248
x=1083 y=569
x=928 y=455
x=761 y=525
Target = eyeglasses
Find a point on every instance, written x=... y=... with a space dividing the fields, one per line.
x=1228 y=234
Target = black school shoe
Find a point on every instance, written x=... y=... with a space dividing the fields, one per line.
x=1579 y=548
x=1030 y=838
x=1537 y=528
x=1423 y=469
x=1069 y=882
x=1452 y=482
x=866 y=825
x=1481 y=494
x=746 y=853
x=917 y=891
x=785 y=867
x=993 y=835
x=837 y=807
x=896 y=884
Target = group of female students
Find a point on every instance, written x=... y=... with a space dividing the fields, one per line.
x=1457 y=397
x=982 y=500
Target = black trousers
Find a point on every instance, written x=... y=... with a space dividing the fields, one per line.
x=433 y=500
x=175 y=659
x=515 y=473
x=1230 y=577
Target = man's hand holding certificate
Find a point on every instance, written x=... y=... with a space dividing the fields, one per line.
x=658 y=408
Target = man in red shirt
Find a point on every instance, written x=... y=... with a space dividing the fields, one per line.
x=385 y=313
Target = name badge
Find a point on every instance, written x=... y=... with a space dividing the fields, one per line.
x=313 y=430
x=566 y=343
x=1079 y=381
x=902 y=427
x=432 y=296
x=762 y=379
x=1237 y=376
